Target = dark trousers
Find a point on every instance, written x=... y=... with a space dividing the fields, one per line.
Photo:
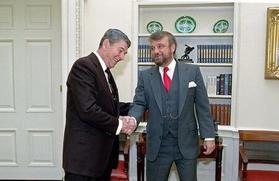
x=168 y=154
x=76 y=177
x=105 y=177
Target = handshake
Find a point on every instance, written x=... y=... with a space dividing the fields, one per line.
x=129 y=124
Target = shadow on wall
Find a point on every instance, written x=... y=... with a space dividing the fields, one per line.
x=119 y=69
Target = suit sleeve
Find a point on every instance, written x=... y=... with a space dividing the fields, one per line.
x=205 y=122
x=139 y=101
x=124 y=108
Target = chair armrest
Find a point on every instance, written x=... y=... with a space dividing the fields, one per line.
x=243 y=162
x=243 y=155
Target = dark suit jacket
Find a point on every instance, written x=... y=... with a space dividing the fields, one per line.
x=192 y=100
x=90 y=143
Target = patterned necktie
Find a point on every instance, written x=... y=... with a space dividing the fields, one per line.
x=112 y=87
x=110 y=80
x=167 y=80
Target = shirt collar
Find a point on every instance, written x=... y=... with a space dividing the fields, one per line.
x=103 y=65
x=171 y=67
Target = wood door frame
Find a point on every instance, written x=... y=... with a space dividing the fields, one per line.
x=72 y=18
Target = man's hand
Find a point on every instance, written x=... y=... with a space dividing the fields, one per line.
x=209 y=146
x=129 y=124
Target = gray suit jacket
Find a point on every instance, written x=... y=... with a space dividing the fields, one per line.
x=193 y=101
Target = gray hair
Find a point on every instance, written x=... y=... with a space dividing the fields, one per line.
x=114 y=36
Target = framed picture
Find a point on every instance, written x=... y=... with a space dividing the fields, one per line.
x=272 y=44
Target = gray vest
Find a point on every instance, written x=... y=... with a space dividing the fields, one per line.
x=170 y=107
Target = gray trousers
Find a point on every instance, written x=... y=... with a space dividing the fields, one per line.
x=169 y=153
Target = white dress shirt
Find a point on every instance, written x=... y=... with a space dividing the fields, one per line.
x=104 y=67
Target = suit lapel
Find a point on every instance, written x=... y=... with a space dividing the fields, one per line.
x=155 y=82
x=99 y=72
x=103 y=81
x=183 y=85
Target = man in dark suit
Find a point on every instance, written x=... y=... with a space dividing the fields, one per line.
x=92 y=118
x=178 y=108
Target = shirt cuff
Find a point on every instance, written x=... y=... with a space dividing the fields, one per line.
x=134 y=119
x=119 y=126
x=208 y=139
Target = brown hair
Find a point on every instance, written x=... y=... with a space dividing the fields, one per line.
x=158 y=35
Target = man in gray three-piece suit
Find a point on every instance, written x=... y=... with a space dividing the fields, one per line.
x=176 y=98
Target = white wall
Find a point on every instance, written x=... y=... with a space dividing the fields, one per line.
x=257 y=99
x=101 y=15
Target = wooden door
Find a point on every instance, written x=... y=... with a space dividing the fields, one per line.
x=31 y=125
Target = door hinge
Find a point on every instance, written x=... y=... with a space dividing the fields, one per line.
x=60 y=88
